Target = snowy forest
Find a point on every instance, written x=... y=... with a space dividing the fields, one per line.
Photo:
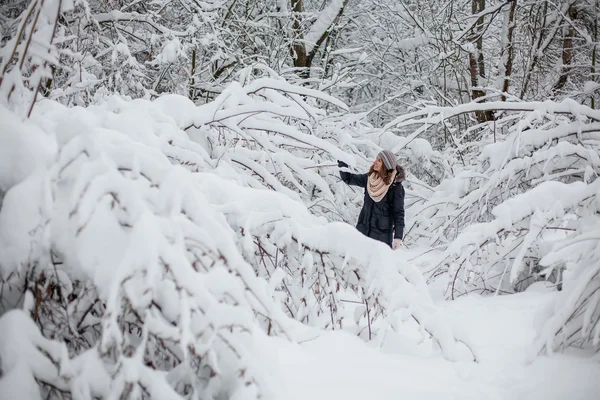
x=173 y=224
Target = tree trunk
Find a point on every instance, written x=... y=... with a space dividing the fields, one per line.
x=508 y=52
x=192 y=91
x=47 y=86
x=594 y=54
x=301 y=58
x=476 y=60
x=534 y=51
x=567 y=53
x=298 y=48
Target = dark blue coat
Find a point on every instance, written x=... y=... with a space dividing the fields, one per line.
x=383 y=220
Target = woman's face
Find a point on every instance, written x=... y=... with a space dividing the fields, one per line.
x=377 y=164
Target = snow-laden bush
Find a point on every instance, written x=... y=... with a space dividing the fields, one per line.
x=574 y=317
x=138 y=264
x=121 y=257
x=135 y=49
x=496 y=217
x=523 y=208
x=28 y=53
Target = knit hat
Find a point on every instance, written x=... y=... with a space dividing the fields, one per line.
x=389 y=159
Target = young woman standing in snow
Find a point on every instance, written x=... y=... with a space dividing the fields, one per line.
x=382 y=214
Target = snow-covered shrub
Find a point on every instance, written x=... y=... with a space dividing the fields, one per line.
x=495 y=217
x=133 y=49
x=574 y=316
x=28 y=54
x=128 y=264
x=138 y=248
x=263 y=129
x=524 y=208
x=268 y=128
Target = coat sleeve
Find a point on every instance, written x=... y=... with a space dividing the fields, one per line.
x=398 y=211
x=352 y=179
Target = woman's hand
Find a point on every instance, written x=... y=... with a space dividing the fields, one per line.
x=397 y=244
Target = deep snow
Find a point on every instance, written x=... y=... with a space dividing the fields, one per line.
x=337 y=365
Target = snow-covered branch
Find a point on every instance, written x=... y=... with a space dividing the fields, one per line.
x=118 y=16
x=506 y=219
x=26 y=58
x=145 y=247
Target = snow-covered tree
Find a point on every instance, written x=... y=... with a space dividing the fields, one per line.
x=522 y=208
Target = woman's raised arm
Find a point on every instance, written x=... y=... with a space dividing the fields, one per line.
x=350 y=178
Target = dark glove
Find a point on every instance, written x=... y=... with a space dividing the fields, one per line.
x=342 y=164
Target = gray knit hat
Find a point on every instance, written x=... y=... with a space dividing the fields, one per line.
x=389 y=159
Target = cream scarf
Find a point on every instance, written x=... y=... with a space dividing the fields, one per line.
x=377 y=188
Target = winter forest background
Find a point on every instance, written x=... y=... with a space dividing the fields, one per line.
x=172 y=223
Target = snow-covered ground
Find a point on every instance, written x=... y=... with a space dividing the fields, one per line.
x=337 y=365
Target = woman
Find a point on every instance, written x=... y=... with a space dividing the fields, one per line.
x=382 y=215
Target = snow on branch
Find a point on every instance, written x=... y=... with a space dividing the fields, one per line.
x=318 y=265
x=527 y=193
x=316 y=271
x=267 y=129
x=318 y=30
x=26 y=58
x=160 y=262
x=575 y=315
x=428 y=116
x=117 y=16
x=148 y=277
